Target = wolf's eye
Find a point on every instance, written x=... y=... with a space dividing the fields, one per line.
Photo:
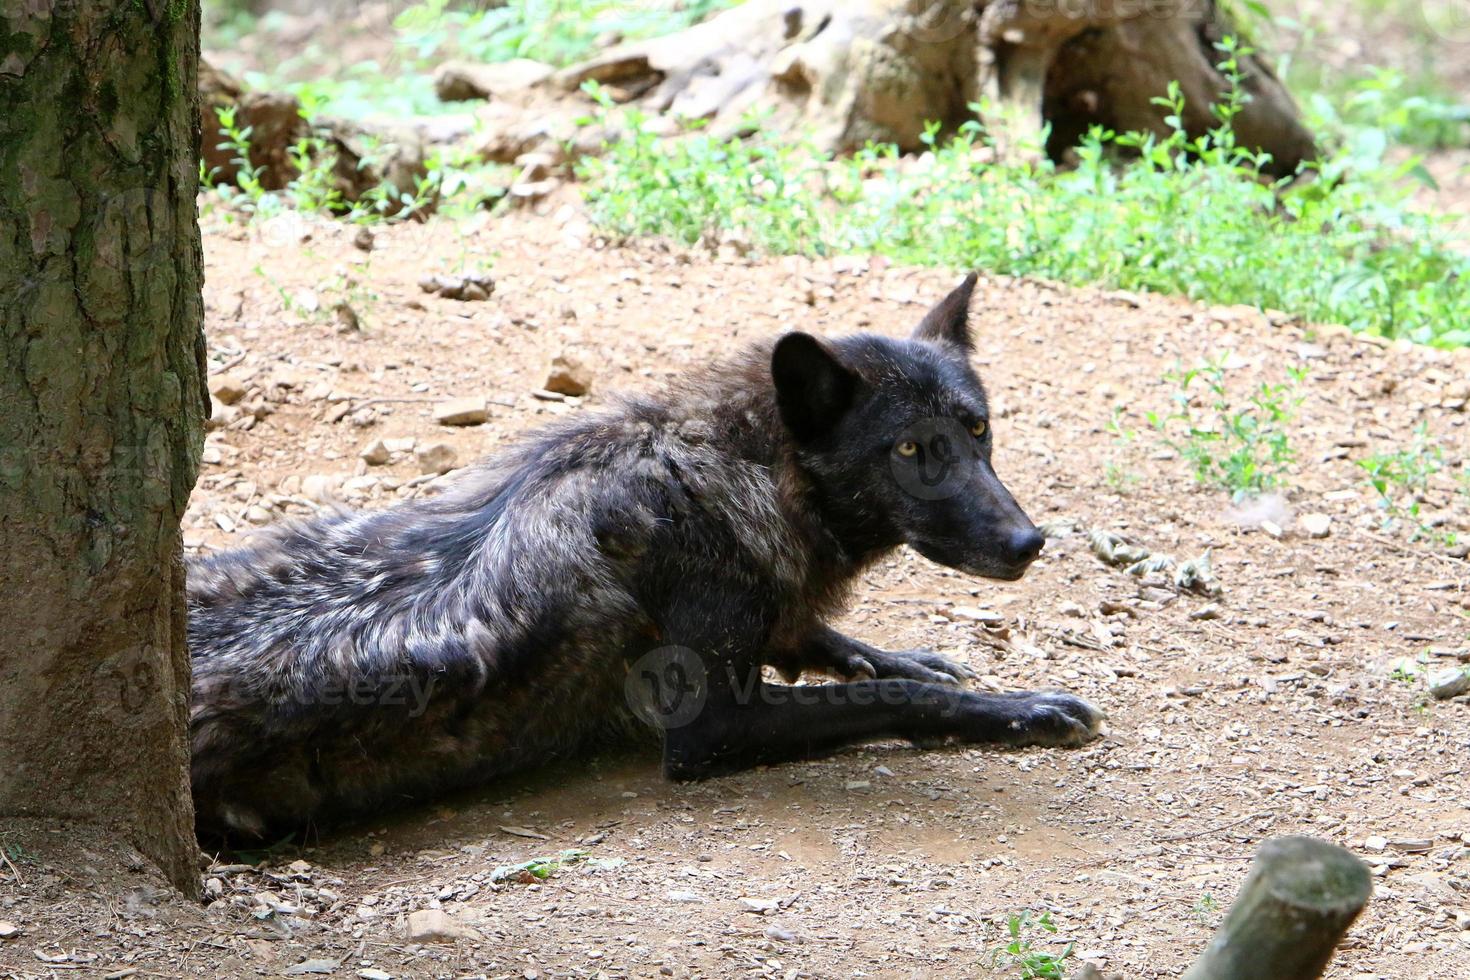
x=979 y=429
x=908 y=448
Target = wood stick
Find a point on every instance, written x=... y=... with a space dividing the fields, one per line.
x=1297 y=902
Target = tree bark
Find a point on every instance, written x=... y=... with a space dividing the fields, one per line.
x=851 y=71
x=102 y=381
x=1297 y=902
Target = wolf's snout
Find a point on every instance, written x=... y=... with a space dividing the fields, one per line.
x=1023 y=545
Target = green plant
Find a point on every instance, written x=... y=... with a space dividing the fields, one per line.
x=1021 y=949
x=1401 y=478
x=1243 y=448
x=538 y=868
x=1191 y=215
x=1116 y=474
x=1206 y=909
x=236 y=139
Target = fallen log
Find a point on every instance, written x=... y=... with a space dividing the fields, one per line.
x=1299 y=899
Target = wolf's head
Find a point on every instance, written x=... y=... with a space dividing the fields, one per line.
x=895 y=437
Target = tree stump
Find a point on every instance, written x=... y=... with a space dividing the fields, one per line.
x=855 y=71
x=1297 y=902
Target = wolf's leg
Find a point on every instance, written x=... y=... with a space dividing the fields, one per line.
x=764 y=723
x=842 y=656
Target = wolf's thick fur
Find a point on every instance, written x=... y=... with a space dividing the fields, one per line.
x=362 y=660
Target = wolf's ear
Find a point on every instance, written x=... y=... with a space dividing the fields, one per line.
x=949 y=322
x=813 y=388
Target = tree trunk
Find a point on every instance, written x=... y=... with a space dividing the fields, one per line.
x=102 y=382
x=859 y=70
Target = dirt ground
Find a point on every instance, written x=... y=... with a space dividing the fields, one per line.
x=1271 y=710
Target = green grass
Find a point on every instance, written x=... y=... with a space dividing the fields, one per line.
x=1189 y=216
x=559 y=32
x=1238 y=444
x=1401 y=479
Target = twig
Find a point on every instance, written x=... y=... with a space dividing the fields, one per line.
x=11 y=865
x=1414 y=552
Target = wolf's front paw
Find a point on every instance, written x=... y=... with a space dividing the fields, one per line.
x=1054 y=718
x=919 y=665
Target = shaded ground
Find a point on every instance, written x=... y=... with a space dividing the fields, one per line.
x=1279 y=716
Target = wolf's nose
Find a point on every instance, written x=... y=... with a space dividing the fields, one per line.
x=1026 y=545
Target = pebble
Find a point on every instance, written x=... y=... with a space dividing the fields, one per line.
x=435 y=457
x=320 y=487
x=1317 y=525
x=375 y=453
x=436 y=926
x=370 y=973
x=227 y=388
x=9 y=930
x=568 y=376
x=760 y=906
x=347 y=321
x=471 y=286
x=311 y=966
x=462 y=411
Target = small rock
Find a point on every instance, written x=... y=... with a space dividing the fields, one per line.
x=257 y=514
x=346 y=319
x=681 y=896
x=436 y=926
x=1450 y=684
x=435 y=457
x=568 y=376
x=375 y=453
x=211 y=456
x=320 y=487
x=363 y=241
x=311 y=966
x=470 y=286
x=1317 y=525
x=227 y=388
x=462 y=411
x=760 y=906
x=8 y=930
x=371 y=973
x=220 y=415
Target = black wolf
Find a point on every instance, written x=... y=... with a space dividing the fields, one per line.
x=636 y=565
